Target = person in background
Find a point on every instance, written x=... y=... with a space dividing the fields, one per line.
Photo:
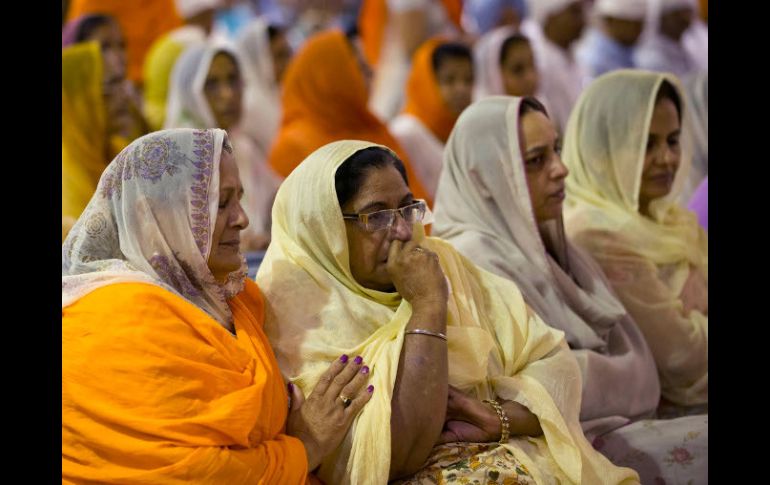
x=437 y=91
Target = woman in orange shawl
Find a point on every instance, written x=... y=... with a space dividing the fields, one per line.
x=142 y=21
x=167 y=375
x=438 y=89
x=325 y=97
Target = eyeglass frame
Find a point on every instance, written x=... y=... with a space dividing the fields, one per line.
x=362 y=219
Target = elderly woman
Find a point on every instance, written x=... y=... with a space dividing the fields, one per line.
x=499 y=203
x=207 y=92
x=471 y=383
x=167 y=375
x=624 y=150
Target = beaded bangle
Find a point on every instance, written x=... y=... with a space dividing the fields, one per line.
x=504 y=434
x=419 y=331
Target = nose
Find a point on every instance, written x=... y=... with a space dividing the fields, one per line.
x=560 y=171
x=241 y=220
x=400 y=229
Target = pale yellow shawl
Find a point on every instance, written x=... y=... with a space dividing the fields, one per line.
x=316 y=311
x=658 y=265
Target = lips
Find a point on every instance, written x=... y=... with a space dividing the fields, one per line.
x=663 y=178
x=558 y=195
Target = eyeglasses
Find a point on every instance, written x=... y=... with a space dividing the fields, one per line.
x=384 y=219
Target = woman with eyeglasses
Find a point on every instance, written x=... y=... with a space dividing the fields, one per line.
x=471 y=383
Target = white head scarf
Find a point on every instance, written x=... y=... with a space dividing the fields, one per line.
x=486 y=56
x=262 y=103
x=540 y=10
x=622 y=9
x=151 y=220
x=191 y=8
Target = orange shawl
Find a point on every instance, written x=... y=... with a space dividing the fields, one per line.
x=423 y=98
x=374 y=16
x=325 y=100
x=156 y=391
x=142 y=21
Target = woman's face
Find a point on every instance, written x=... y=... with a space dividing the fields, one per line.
x=663 y=153
x=280 y=51
x=225 y=256
x=382 y=188
x=455 y=82
x=520 y=76
x=113 y=48
x=224 y=90
x=543 y=167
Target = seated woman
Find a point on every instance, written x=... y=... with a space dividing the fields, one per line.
x=437 y=91
x=95 y=120
x=325 y=96
x=105 y=30
x=440 y=335
x=167 y=375
x=499 y=203
x=626 y=165
x=206 y=91
x=505 y=64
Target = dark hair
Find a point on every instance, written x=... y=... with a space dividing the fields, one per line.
x=90 y=24
x=509 y=43
x=668 y=91
x=450 y=50
x=529 y=104
x=350 y=175
x=273 y=31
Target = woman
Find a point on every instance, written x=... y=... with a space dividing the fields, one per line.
x=181 y=385
x=505 y=64
x=499 y=204
x=437 y=91
x=440 y=335
x=94 y=120
x=265 y=52
x=624 y=151
x=324 y=99
x=207 y=92
x=105 y=30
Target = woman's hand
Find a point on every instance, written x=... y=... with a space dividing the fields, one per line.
x=322 y=421
x=469 y=420
x=417 y=275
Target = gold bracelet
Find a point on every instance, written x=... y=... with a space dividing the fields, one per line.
x=504 y=434
x=419 y=331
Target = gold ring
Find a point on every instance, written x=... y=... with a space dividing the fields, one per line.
x=419 y=249
x=345 y=400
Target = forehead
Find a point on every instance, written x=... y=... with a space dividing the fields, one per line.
x=222 y=61
x=536 y=127
x=455 y=63
x=664 y=116
x=229 y=177
x=380 y=184
x=518 y=51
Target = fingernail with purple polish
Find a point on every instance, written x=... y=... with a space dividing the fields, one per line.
x=358 y=360
x=365 y=370
x=291 y=387
x=370 y=389
x=344 y=359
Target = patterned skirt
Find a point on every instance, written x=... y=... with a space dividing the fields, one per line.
x=473 y=464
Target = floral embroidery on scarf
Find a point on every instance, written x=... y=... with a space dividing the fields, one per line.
x=153 y=159
x=679 y=456
x=176 y=278
x=203 y=142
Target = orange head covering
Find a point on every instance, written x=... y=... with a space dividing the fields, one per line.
x=324 y=100
x=423 y=98
x=374 y=16
x=142 y=21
